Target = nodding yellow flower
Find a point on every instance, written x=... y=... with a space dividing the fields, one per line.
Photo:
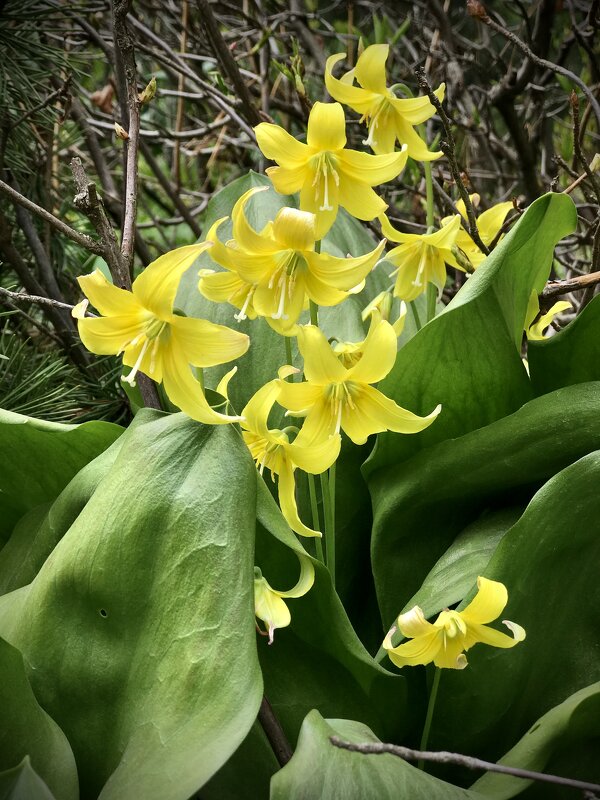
x=326 y=174
x=488 y=224
x=274 y=271
x=337 y=397
x=445 y=640
x=272 y=449
x=421 y=258
x=390 y=119
x=163 y=345
x=269 y=606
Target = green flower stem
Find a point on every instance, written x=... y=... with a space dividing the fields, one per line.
x=431 y=300
x=430 y=707
x=314 y=313
x=415 y=313
x=288 y=355
x=431 y=289
x=312 y=490
x=329 y=545
x=330 y=533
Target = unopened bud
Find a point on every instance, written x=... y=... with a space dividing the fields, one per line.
x=462 y=258
x=149 y=92
x=121 y=132
x=595 y=163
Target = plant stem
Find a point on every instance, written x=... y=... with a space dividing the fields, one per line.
x=430 y=707
x=431 y=289
x=330 y=531
x=312 y=490
x=415 y=313
x=288 y=355
x=314 y=314
x=329 y=544
x=431 y=300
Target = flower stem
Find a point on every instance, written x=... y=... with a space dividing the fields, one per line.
x=329 y=545
x=314 y=313
x=431 y=300
x=415 y=313
x=312 y=490
x=430 y=707
x=330 y=532
x=288 y=355
x=431 y=288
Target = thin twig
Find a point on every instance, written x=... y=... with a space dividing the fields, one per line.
x=448 y=147
x=477 y=9
x=444 y=757
x=81 y=239
x=23 y=297
x=274 y=733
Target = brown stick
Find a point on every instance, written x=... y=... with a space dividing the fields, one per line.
x=556 y=288
x=274 y=733
x=444 y=757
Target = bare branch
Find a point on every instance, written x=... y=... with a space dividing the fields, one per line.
x=444 y=757
x=274 y=733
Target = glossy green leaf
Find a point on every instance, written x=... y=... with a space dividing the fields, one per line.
x=38 y=459
x=571 y=356
x=548 y=562
x=138 y=631
x=39 y=531
x=422 y=504
x=575 y=722
x=26 y=730
x=319 y=769
x=23 y=783
x=468 y=358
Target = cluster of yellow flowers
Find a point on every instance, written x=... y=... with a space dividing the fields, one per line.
x=275 y=273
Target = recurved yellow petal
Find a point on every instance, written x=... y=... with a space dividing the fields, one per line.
x=321 y=366
x=155 y=288
x=245 y=236
x=287 y=181
x=378 y=353
x=204 y=344
x=108 y=299
x=372 y=169
x=326 y=127
x=110 y=335
x=343 y=273
x=415 y=110
x=489 y=222
x=344 y=92
x=489 y=602
x=374 y=413
x=287 y=501
x=257 y=410
x=421 y=650
x=415 y=146
x=370 y=68
x=413 y=623
x=280 y=146
x=316 y=457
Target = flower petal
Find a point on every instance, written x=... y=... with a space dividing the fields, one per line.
x=450 y=654
x=269 y=607
x=487 y=635
x=317 y=456
x=361 y=100
x=157 y=285
x=445 y=237
x=371 y=169
x=280 y=146
x=227 y=287
x=489 y=222
x=421 y=650
x=298 y=397
x=110 y=335
x=326 y=127
x=244 y=235
x=415 y=110
x=321 y=365
x=287 y=181
x=294 y=229
x=374 y=413
x=321 y=293
x=488 y=603
x=257 y=410
x=370 y=68
x=413 y=623
x=360 y=200
x=184 y=390
x=378 y=353
x=343 y=273
x=287 y=502
x=204 y=344
x=416 y=147
x=109 y=300
x=305 y=581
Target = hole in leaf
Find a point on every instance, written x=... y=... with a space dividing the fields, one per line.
x=103 y=612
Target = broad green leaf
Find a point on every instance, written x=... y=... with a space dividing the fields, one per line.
x=318 y=661
x=571 y=356
x=38 y=459
x=319 y=769
x=27 y=730
x=548 y=562
x=575 y=722
x=422 y=504
x=468 y=358
x=23 y=783
x=38 y=532
x=138 y=631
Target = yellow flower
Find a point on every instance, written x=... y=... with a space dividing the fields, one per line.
x=141 y=325
x=269 y=606
x=382 y=303
x=453 y=632
x=336 y=397
x=326 y=174
x=279 y=267
x=271 y=449
x=488 y=224
x=389 y=118
x=421 y=258
x=535 y=331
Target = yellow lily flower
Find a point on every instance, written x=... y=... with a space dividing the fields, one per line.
x=453 y=632
x=337 y=397
x=535 y=331
x=326 y=174
x=421 y=258
x=382 y=304
x=269 y=606
x=271 y=449
x=141 y=325
x=488 y=224
x=389 y=118
x=280 y=268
